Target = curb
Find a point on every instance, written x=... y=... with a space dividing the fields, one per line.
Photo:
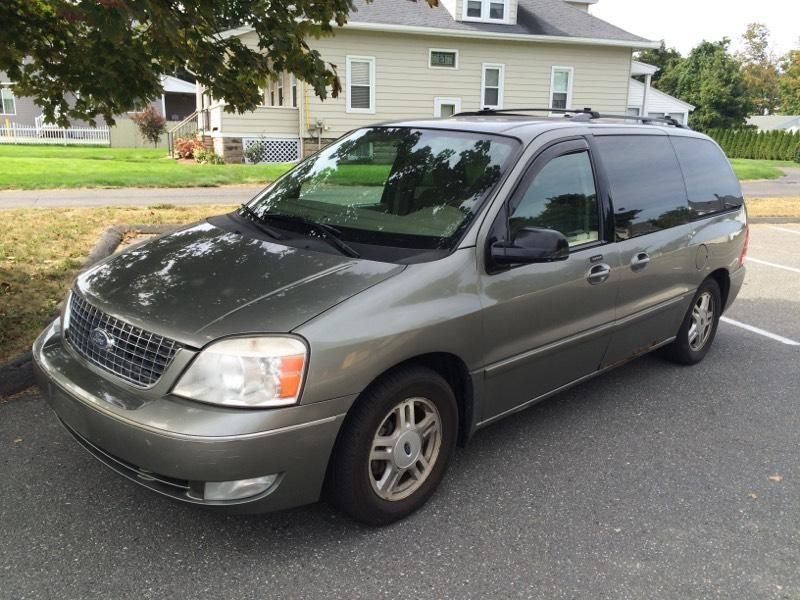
x=773 y=220
x=17 y=374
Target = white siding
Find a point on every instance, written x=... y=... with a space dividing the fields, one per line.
x=266 y=121
x=406 y=87
x=657 y=102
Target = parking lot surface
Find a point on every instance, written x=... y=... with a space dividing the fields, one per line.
x=652 y=481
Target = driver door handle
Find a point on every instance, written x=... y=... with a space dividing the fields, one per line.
x=640 y=261
x=598 y=274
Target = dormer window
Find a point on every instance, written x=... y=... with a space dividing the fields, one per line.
x=490 y=11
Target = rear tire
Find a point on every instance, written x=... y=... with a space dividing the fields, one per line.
x=699 y=326
x=394 y=447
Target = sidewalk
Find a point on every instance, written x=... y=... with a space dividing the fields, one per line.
x=232 y=194
x=785 y=187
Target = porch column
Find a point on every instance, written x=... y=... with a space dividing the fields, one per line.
x=647 y=81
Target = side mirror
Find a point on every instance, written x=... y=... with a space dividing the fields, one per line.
x=531 y=245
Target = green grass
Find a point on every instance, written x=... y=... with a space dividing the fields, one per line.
x=43 y=167
x=41 y=251
x=759 y=169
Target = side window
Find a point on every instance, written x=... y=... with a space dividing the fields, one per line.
x=646 y=184
x=562 y=197
x=710 y=182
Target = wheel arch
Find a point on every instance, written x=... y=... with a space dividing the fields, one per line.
x=723 y=279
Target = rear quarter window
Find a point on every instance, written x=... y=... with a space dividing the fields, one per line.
x=646 y=184
x=710 y=183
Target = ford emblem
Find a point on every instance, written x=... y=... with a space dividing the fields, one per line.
x=100 y=339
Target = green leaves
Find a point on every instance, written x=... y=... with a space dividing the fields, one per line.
x=82 y=58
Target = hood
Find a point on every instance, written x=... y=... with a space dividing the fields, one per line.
x=203 y=282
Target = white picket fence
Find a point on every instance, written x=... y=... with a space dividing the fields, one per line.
x=11 y=133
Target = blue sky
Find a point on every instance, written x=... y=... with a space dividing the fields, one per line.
x=684 y=23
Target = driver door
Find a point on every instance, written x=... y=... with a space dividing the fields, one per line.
x=548 y=324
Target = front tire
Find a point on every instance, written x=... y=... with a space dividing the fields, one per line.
x=394 y=447
x=699 y=326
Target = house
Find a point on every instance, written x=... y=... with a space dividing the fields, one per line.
x=773 y=122
x=21 y=112
x=643 y=99
x=399 y=59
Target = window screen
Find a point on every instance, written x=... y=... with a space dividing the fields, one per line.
x=361 y=83
x=561 y=197
x=646 y=184
x=443 y=58
x=710 y=182
x=560 y=92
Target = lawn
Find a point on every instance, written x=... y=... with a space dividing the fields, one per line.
x=759 y=169
x=41 y=251
x=43 y=167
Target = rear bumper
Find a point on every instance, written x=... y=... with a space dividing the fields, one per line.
x=173 y=446
x=737 y=279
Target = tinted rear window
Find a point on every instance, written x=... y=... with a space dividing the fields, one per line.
x=710 y=182
x=646 y=184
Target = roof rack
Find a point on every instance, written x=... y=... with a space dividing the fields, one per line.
x=583 y=114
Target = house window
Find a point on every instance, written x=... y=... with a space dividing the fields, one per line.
x=9 y=103
x=492 y=86
x=360 y=84
x=486 y=10
x=280 y=89
x=561 y=87
x=294 y=92
x=446 y=107
x=633 y=111
x=443 y=59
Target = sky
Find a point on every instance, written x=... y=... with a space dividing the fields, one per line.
x=685 y=23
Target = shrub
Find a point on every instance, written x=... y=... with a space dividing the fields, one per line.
x=151 y=124
x=208 y=157
x=748 y=143
x=797 y=154
x=186 y=147
x=252 y=153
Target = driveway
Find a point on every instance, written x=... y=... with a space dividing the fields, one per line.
x=785 y=187
x=652 y=481
x=231 y=194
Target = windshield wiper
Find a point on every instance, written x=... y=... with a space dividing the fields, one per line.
x=258 y=221
x=325 y=232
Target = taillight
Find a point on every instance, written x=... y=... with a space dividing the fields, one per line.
x=743 y=255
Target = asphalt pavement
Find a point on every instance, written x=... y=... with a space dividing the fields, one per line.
x=652 y=481
x=784 y=187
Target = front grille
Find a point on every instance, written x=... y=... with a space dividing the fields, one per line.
x=135 y=355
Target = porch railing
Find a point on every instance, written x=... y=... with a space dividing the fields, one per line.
x=187 y=127
x=12 y=133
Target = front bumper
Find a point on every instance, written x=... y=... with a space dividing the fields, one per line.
x=173 y=446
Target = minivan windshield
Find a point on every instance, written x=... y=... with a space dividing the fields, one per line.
x=391 y=186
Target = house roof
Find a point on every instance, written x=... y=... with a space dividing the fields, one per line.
x=640 y=68
x=769 y=122
x=552 y=21
x=535 y=18
x=178 y=86
x=657 y=99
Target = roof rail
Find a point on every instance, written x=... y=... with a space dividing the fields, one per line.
x=583 y=114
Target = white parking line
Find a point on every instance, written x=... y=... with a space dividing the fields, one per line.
x=795 y=231
x=772 y=336
x=769 y=264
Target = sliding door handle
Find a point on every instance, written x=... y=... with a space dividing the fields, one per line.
x=598 y=274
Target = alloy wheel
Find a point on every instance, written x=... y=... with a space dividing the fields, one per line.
x=405 y=448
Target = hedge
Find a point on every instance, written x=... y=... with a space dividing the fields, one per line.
x=762 y=145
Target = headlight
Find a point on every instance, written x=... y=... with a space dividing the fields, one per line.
x=248 y=372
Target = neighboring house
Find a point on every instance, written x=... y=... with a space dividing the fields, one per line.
x=645 y=100
x=176 y=103
x=400 y=60
x=773 y=122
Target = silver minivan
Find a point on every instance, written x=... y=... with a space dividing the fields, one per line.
x=411 y=283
